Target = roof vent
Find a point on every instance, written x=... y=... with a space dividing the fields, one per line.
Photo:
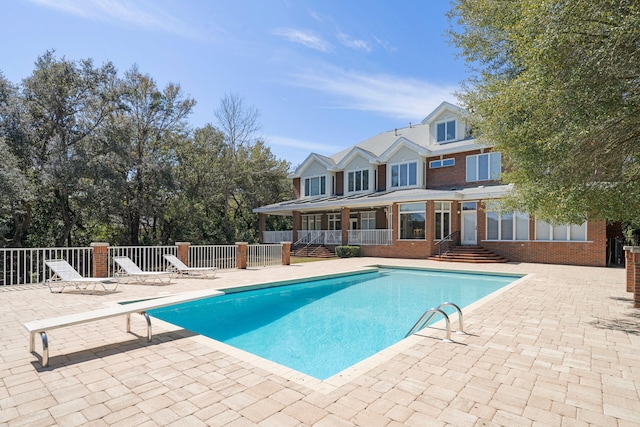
x=396 y=131
x=410 y=125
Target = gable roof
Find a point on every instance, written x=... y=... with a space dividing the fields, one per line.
x=325 y=161
x=354 y=152
x=400 y=143
x=440 y=108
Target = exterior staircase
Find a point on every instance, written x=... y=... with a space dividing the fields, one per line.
x=470 y=254
x=314 y=251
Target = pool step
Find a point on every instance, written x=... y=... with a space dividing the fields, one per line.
x=470 y=254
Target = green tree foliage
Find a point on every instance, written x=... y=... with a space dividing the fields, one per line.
x=556 y=87
x=89 y=156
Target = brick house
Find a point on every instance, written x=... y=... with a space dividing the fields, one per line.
x=419 y=191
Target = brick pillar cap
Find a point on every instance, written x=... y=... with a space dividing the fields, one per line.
x=242 y=243
x=182 y=243
x=284 y=243
x=632 y=249
x=94 y=244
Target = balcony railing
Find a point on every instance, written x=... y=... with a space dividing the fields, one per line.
x=370 y=237
x=277 y=236
x=356 y=237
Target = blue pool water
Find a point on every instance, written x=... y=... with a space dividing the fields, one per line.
x=322 y=327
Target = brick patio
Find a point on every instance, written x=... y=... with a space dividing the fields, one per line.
x=560 y=348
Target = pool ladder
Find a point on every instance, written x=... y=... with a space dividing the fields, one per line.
x=429 y=314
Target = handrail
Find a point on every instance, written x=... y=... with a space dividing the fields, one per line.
x=448 y=238
x=429 y=314
x=319 y=236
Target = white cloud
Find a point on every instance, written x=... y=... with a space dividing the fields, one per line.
x=305 y=38
x=144 y=14
x=392 y=96
x=309 y=146
x=352 y=43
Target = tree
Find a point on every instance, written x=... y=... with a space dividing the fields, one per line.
x=556 y=88
x=141 y=138
x=64 y=103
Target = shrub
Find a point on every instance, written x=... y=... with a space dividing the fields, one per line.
x=347 y=251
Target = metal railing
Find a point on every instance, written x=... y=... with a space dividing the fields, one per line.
x=277 y=236
x=446 y=243
x=21 y=266
x=220 y=256
x=424 y=320
x=148 y=258
x=264 y=255
x=370 y=237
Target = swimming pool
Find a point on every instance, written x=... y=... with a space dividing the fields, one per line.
x=324 y=326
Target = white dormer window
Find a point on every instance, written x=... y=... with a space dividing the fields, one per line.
x=316 y=186
x=404 y=174
x=358 y=180
x=446 y=131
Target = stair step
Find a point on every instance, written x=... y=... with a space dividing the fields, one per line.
x=470 y=254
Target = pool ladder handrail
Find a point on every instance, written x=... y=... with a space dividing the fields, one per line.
x=429 y=314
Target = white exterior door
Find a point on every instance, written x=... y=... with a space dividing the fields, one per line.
x=469 y=224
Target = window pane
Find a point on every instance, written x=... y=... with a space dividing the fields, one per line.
x=412 y=225
x=412 y=207
x=365 y=180
x=413 y=173
x=492 y=225
x=350 y=179
x=543 y=230
x=468 y=206
x=560 y=232
x=306 y=187
x=472 y=174
x=483 y=167
x=441 y=131
x=522 y=226
x=435 y=164
x=449 y=162
x=358 y=181
x=496 y=165
x=446 y=224
x=506 y=226
x=403 y=174
x=314 y=186
x=579 y=232
x=323 y=185
x=439 y=234
x=451 y=130
x=395 y=179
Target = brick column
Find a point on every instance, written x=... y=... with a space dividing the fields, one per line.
x=632 y=258
x=286 y=253
x=182 y=251
x=241 y=255
x=345 y=223
x=297 y=224
x=100 y=259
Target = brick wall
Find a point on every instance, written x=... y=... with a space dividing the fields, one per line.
x=296 y=188
x=453 y=176
x=340 y=183
x=382 y=177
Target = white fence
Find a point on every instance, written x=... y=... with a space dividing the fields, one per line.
x=219 y=256
x=356 y=237
x=264 y=255
x=370 y=237
x=148 y=258
x=19 y=266
x=277 y=236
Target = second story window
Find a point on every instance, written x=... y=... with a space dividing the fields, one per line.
x=404 y=174
x=316 y=186
x=484 y=167
x=358 y=180
x=435 y=164
x=446 y=131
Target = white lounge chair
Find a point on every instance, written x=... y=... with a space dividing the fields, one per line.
x=179 y=267
x=65 y=275
x=129 y=270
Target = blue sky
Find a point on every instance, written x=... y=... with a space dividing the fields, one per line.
x=324 y=75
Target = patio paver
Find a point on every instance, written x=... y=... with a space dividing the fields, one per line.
x=558 y=348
